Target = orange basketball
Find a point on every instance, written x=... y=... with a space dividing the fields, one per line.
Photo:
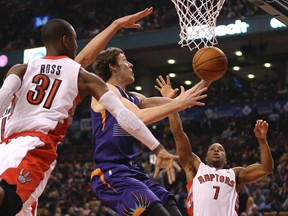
x=210 y=63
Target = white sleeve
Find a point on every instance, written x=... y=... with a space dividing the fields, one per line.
x=11 y=84
x=128 y=120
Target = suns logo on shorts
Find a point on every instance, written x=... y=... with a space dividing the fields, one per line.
x=141 y=203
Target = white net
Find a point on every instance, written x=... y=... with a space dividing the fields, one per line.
x=197 y=20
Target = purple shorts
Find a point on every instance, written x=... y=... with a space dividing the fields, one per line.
x=125 y=189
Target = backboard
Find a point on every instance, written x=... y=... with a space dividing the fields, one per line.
x=277 y=8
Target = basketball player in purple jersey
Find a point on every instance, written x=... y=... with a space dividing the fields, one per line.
x=212 y=190
x=116 y=180
x=188 y=98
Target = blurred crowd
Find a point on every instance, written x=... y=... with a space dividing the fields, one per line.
x=90 y=17
x=69 y=192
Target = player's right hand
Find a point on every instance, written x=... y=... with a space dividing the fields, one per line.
x=166 y=161
x=130 y=20
x=261 y=129
x=192 y=96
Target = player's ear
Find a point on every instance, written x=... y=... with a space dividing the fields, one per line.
x=112 y=67
x=225 y=161
x=65 y=40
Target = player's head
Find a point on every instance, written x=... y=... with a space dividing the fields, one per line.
x=216 y=156
x=59 y=38
x=112 y=62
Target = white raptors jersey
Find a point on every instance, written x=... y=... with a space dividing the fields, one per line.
x=47 y=98
x=212 y=193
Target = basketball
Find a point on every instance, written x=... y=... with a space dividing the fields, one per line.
x=210 y=63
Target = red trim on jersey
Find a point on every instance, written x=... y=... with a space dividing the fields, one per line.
x=33 y=206
x=54 y=57
x=3 y=123
x=43 y=137
x=12 y=106
x=189 y=199
x=237 y=201
x=77 y=99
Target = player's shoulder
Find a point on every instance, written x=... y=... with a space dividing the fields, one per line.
x=18 y=69
x=114 y=89
x=142 y=98
x=237 y=170
x=137 y=94
x=19 y=66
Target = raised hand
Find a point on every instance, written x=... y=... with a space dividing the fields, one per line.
x=165 y=87
x=192 y=96
x=166 y=161
x=261 y=128
x=130 y=20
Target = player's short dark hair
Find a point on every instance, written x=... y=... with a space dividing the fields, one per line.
x=54 y=30
x=103 y=60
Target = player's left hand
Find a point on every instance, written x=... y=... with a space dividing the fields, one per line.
x=130 y=20
x=261 y=128
x=165 y=88
x=166 y=161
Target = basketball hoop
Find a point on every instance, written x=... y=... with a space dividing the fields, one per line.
x=197 y=20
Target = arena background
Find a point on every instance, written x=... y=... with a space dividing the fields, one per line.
x=233 y=105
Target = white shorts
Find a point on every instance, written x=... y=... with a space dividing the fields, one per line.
x=27 y=160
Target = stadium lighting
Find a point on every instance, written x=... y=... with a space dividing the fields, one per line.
x=172 y=75
x=138 y=88
x=236 y=68
x=238 y=53
x=171 y=61
x=188 y=82
x=267 y=65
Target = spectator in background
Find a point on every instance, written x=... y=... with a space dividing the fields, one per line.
x=230 y=133
x=18 y=33
x=266 y=206
x=254 y=211
x=245 y=200
x=258 y=197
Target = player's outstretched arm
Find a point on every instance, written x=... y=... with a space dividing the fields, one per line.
x=189 y=161
x=157 y=113
x=186 y=99
x=255 y=172
x=90 y=84
x=146 y=102
x=98 y=43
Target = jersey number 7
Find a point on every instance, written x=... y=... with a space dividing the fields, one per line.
x=217 y=189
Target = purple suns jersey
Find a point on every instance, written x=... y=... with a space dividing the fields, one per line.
x=119 y=183
x=111 y=142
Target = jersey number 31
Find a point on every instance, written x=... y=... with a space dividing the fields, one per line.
x=42 y=82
